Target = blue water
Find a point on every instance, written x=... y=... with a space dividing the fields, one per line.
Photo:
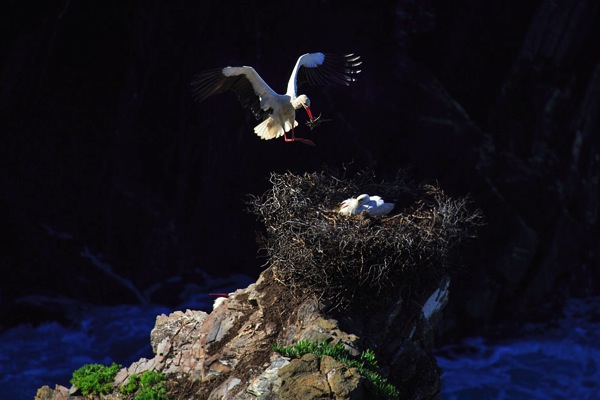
x=31 y=357
x=557 y=362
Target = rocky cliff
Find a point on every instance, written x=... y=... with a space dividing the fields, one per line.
x=228 y=353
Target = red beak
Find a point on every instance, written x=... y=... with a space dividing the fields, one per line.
x=309 y=113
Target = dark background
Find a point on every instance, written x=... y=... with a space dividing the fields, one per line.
x=118 y=188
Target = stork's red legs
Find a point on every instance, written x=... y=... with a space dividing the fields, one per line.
x=295 y=139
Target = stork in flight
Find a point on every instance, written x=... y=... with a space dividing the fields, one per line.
x=278 y=111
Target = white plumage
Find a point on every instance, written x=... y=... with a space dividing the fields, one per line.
x=278 y=111
x=374 y=205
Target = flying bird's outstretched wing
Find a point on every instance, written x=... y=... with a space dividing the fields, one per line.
x=244 y=81
x=323 y=69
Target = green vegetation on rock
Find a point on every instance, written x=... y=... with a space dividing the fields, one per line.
x=147 y=386
x=95 y=378
x=365 y=363
x=99 y=379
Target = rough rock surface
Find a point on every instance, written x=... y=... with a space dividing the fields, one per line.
x=312 y=378
x=228 y=354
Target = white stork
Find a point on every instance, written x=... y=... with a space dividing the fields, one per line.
x=374 y=205
x=278 y=111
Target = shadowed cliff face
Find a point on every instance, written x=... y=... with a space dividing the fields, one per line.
x=115 y=180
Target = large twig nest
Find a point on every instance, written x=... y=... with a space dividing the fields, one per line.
x=344 y=259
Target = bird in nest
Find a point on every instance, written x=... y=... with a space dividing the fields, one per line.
x=373 y=205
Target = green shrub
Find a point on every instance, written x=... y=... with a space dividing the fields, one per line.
x=152 y=393
x=98 y=379
x=132 y=385
x=147 y=386
x=151 y=378
x=95 y=378
x=366 y=364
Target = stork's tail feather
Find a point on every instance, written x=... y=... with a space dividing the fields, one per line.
x=268 y=129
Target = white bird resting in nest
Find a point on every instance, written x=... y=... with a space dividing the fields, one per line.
x=374 y=205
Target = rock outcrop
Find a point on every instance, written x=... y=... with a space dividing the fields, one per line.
x=228 y=354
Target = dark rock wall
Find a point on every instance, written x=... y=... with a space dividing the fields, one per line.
x=104 y=153
x=540 y=152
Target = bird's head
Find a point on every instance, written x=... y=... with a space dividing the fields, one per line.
x=363 y=199
x=303 y=101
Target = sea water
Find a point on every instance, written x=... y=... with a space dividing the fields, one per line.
x=558 y=360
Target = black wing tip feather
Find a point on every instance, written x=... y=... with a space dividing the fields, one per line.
x=346 y=58
x=207 y=83
x=336 y=68
x=351 y=57
x=213 y=81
